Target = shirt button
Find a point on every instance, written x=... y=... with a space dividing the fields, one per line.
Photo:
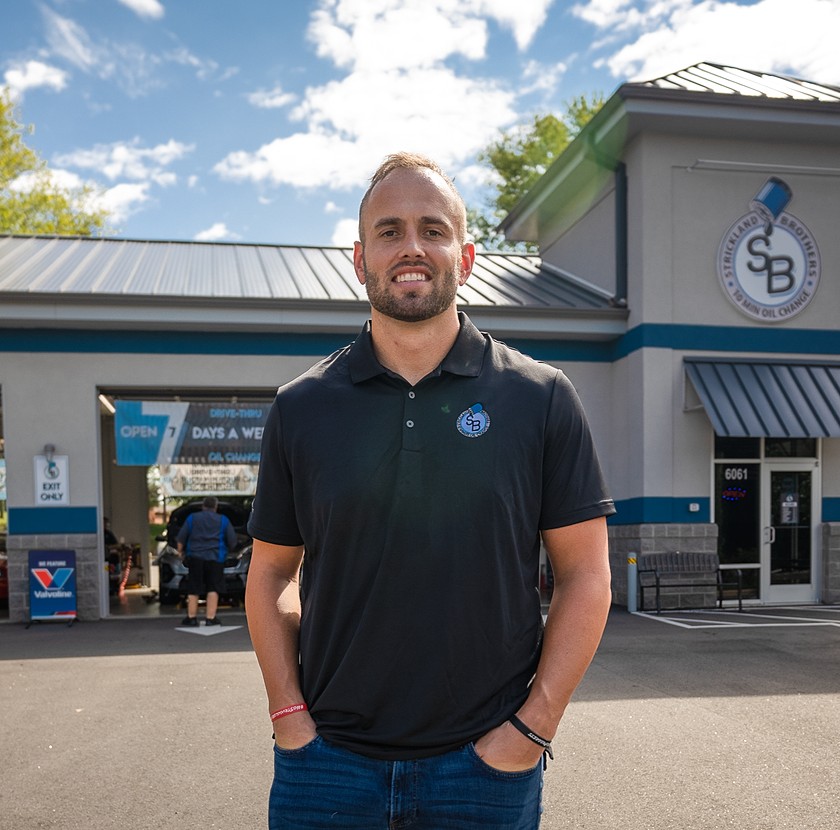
x=412 y=395
x=409 y=424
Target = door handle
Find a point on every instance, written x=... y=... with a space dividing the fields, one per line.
x=770 y=535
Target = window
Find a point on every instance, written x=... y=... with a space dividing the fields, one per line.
x=790 y=447
x=737 y=447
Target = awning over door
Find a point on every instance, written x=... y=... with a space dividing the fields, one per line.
x=768 y=398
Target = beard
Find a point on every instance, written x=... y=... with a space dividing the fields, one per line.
x=412 y=306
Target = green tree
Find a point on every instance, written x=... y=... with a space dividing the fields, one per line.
x=518 y=158
x=30 y=201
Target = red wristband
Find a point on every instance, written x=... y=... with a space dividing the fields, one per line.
x=288 y=710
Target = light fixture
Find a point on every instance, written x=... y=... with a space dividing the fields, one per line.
x=107 y=404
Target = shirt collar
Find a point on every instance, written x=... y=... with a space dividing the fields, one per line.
x=464 y=358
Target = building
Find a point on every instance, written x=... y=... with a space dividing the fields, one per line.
x=687 y=283
x=706 y=201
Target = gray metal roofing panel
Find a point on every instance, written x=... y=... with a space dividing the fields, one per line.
x=137 y=268
x=510 y=282
x=18 y=257
x=341 y=259
x=772 y=399
x=199 y=271
x=50 y=263
x=147 y=275
x=225 y=274
x=729 y=80
x=252 y=279
x=94 y=270
x=338 y=284
x=502 y=283
x=174 y=278
x=277 y=276
x=505 y=279
x=77 y=264
x=305 y=279
x=119 y=276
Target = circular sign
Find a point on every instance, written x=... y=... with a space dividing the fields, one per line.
x=769 y=270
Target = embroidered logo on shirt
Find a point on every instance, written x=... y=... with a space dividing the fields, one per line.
x=474 y=421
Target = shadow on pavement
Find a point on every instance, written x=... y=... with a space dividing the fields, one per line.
x=115 y=637
x=640 y=657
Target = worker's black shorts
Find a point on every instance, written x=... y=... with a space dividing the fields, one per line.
x=205 y=576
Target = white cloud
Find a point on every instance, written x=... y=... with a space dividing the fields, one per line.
x=401 y=90
x=152 y=9
x=33 y=74
x=769 y=35
x=524 y=17
x=542 y=77
x=390 y=34
x=58 y=178
x=609 y=14
x=122 y=200
x=386 y=36
x=119 y=201
x=475 y=177
x=345 y=233
x=68 y=40
x=270 y=98
x=215 y=232
x=354 y=122
x=130 y=65
x=204 y=67
x=331 y=207
x=128 y=160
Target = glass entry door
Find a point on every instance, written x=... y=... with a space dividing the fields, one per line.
x=787 y=538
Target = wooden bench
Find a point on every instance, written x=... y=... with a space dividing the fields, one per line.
x=684 y=570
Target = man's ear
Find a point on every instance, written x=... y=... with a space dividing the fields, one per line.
x=359 y=262
x=467 y=262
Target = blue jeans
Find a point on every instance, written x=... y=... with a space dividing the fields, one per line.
x=321 y=785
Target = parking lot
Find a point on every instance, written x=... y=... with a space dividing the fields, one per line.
x=818 y=615
x=687 y=721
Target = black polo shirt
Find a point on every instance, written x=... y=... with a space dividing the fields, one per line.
x=420 y=510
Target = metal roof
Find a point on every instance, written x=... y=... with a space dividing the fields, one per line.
x=729 y=80
x=36 y=267
x=770 y=399
x=706 y=100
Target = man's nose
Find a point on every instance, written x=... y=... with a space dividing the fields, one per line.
x=412 y=244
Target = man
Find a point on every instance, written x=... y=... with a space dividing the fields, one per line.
x=207 y=537
x=409 y=680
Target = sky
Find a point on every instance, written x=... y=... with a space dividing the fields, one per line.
x=261 y=121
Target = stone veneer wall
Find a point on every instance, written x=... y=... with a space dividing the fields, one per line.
x=89 y=568
x=660 y=538
x=831 y=563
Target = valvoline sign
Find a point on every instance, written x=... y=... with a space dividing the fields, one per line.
x=52 y=584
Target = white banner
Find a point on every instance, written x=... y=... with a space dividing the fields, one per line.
x=208 y=479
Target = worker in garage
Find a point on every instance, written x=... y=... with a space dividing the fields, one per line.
x=204 y=541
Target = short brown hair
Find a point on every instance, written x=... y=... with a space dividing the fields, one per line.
x=410 y=161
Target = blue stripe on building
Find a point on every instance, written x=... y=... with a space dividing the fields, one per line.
x=31 y=521
x=668 y=510
x=651 y=335
x=831 y=510
x=661 y=510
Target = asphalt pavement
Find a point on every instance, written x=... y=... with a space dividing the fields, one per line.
x=701 y=721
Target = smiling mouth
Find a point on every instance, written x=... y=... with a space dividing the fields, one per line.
x=412 y=276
